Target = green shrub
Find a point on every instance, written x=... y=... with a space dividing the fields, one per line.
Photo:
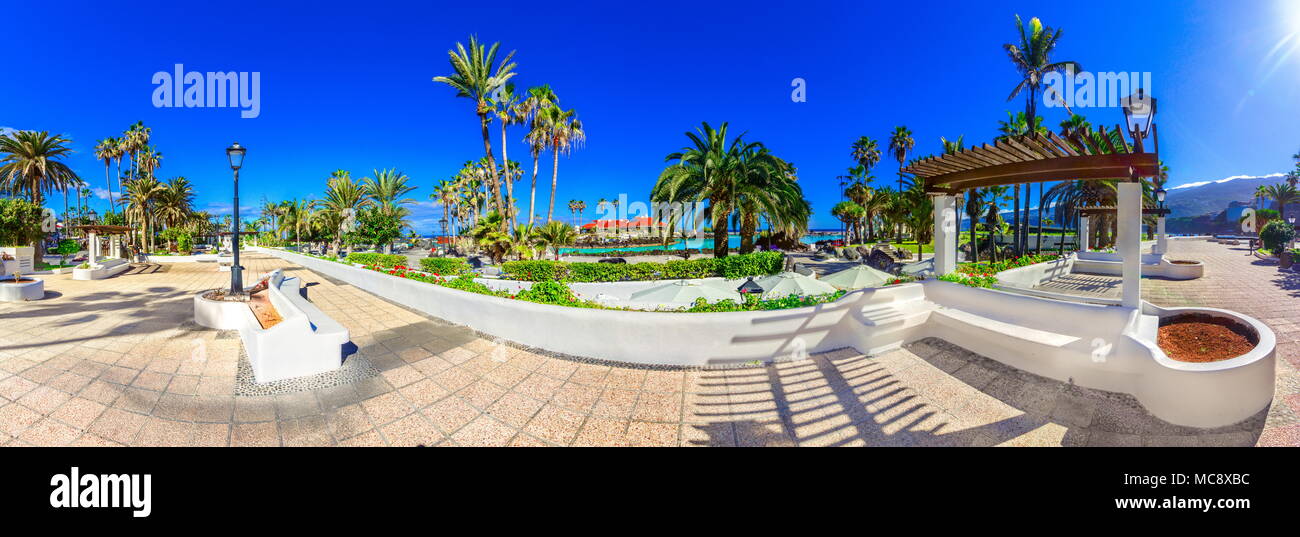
x=444 y=266
x=736 y=266
x=548 y=293
x=20 y=222
x=1276 y=234
x=378 y=259
x=466 y=282
x=536 y=271
x=755 y=264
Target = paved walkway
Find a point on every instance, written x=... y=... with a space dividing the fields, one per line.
x=118 y=362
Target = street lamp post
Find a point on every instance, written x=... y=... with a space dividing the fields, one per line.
x=1139 y=111
x=235 y=153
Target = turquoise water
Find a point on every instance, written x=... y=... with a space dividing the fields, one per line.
x=733 y=241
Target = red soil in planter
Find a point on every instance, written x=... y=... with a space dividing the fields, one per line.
x=1197 y=337
x=1181 y=262
x=11 y=280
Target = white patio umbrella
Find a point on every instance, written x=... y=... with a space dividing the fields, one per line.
x=858 y=277
x=792 y=283
x=685 y=291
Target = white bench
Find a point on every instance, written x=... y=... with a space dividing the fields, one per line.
x=103 y=269
x=952 y=317
x=305 y=342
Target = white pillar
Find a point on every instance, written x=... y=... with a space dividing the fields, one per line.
x=1083 y=233
x=945 y=234
x=93 y=241
x=1162 y=241
x=1129 y=218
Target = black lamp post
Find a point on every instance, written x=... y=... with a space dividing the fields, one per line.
x=444 y=223
x=1139 y=111
x=236 y=155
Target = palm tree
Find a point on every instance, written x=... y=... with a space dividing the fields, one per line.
x=1283 y=194
x=32 y=163
x=489 y=237
x=539 y=98
x=555 y=235
x=474 y=77
x=136 y=140
x=138 y=199
x=865 y=152
x=851 y=214
x=563 y=133
x=900 y=143
x=731 y=176
x=106 y=150
x=174 y=204
x=343 y=197
x=508 y=110
x=1032 y=58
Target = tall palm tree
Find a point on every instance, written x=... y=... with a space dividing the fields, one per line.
x=475 y=77
x=106 y=150
x=32 y=163
x=865 y=152
x=900 y=143
x=138 y=199
x=387 y=189
x=1032 y=59
x=539 y=98
x=136 y=139
x=563 y=133
x=508 y=110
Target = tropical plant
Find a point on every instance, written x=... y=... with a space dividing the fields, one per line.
x=539 y=98
x=476 y=75
x=488 y=236
x=737 y=176
x=138 y=200
x=1282 y=194
x=343 y=200
x=107 y=150
x=563 y=131
x=555 y=235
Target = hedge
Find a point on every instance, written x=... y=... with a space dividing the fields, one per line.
x=377 y=259
x=444 y=265
x=736 y=266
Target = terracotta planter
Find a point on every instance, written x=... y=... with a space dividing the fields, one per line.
x=1284 y=260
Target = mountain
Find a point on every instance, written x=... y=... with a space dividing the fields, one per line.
x=1206 y=197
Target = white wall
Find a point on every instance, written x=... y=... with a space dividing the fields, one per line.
x=1096 y=346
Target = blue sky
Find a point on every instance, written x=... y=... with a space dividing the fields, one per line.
x=345 y=87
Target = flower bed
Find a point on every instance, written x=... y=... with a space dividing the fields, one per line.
x=557 y=293
x=737 y=266
x=985 y=274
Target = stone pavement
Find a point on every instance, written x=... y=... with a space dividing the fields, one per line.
x=119 y=362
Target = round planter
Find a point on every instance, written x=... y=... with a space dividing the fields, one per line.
x=28 y=289
x=220 y=315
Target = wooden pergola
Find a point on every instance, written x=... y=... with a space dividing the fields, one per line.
x=1111 y=209
x=1038 y=158
x=1034 y=158
x=93 y=231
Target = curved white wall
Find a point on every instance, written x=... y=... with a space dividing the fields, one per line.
x=1096 y=346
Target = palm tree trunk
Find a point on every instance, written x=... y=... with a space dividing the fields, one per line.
x=555 y=174
x=532 y=194
x=1040 y=219
x=719 y=234
x=492 y=164
x=1015 y=218
x=505 y=176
